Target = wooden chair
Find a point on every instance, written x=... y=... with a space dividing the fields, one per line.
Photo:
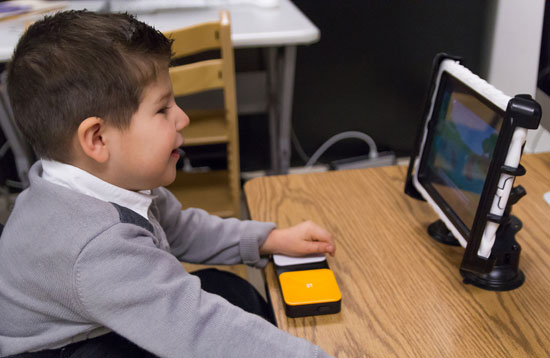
x=218 y=192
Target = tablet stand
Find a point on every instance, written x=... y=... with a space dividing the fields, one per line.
x=505 y=274
x=439 y=232
x=499 y=271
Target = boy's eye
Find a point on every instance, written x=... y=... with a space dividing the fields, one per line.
x=163 y=110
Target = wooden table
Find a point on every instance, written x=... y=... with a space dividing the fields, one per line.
x=402 y=294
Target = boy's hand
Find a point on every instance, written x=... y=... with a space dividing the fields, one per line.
x=300 y=240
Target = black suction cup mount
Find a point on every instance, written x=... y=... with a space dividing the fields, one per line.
x=505 y=274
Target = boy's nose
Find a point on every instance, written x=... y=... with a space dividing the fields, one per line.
x=182 y=120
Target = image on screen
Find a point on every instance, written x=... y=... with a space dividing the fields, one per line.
x=460 y=149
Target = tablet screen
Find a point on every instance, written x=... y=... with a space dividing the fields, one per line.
x=459 y=151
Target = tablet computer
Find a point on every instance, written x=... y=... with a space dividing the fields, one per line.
x=467 y=156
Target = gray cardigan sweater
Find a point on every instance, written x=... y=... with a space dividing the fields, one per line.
x=73 y=267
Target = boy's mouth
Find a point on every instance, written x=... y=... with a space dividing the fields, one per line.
x=176 y=152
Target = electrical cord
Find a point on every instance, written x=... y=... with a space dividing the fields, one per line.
x=373 y=151
x=4 y=149
x=184 y=163
x=298 y=146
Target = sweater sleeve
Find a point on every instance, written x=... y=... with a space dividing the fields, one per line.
x=122 y=281
x=198 y=237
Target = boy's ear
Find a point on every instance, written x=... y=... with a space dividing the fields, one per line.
x=90 y=139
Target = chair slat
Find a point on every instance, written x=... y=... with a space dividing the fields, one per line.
x=197 y=77
x=195 y=39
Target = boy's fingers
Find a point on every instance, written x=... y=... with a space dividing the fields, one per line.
x=319 y=233
x=318 y=247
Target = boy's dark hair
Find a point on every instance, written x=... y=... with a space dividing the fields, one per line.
x=79 y=64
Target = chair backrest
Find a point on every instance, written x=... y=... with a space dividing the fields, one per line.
x=211 y=74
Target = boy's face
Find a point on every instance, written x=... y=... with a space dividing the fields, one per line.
x=144 y=156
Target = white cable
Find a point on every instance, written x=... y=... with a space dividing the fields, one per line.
x=373 y=152
x=4 y=149
x=298 y=146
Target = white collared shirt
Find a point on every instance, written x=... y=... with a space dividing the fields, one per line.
x=83 y=182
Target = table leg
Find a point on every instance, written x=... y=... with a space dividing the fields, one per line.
x=287 y=93
x=281 y=65
x=273 y=107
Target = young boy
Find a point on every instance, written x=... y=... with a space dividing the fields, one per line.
x=90 y=256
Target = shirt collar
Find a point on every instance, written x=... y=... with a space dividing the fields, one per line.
x=83 y=182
